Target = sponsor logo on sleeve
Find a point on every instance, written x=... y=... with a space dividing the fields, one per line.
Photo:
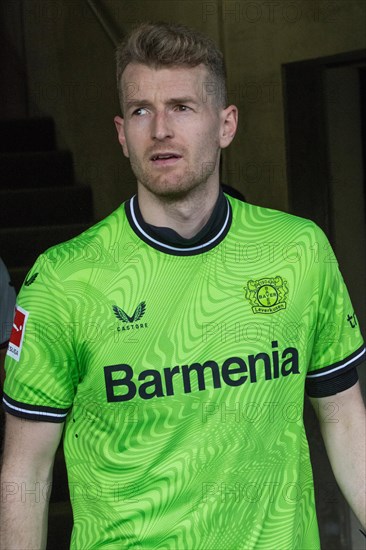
x=352 y=319
x=17 y=333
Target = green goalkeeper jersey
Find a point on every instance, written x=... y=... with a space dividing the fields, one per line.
x=180 y=372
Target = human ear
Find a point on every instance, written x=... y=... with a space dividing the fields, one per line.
x=229 y=124
x=120 y=127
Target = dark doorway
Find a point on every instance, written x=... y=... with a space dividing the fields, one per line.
x=325 y=143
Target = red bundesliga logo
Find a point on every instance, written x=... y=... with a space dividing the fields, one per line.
x=17 y=333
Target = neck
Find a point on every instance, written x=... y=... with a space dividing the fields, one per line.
x=186 y=215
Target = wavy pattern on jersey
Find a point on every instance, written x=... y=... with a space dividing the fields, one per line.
x=91 y=526
x=165 y=480
x=182 y=471
x=177 y=474
x=313 y=254
x=279 y=518
x=47 y=332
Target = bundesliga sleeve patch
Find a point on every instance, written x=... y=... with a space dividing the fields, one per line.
x=17 y=333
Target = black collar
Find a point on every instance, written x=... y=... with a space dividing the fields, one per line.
x=169 y=241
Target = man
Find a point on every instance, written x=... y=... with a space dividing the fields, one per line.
x=175 y=339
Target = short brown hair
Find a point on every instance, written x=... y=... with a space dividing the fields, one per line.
x=165 y=44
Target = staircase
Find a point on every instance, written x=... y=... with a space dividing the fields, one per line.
x=39 y=201
x=40 y=206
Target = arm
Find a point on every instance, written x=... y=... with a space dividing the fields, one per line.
x=343 y=427
x=26 y=475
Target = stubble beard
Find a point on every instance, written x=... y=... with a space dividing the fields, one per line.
x=172 y=187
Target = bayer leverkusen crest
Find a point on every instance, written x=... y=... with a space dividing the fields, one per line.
x=267 y=295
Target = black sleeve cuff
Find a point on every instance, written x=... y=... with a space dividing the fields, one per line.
x=325 y=388
x=33 y=412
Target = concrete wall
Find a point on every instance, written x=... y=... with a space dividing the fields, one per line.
x=13 y=87
x=259 y=37
x=70 y=64
x=71 y=77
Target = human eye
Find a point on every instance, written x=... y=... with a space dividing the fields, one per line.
x=139 y=112
x=182 y=108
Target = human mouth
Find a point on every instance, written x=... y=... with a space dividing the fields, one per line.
x=165 y=159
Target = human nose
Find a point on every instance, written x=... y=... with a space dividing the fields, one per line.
x=161 y=126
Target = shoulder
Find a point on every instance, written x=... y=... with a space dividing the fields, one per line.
x=91 y=241
x=89 y=250
x=276 y=222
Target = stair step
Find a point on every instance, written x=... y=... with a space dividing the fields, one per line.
x=33 y=134
x=22 y=246
x=46 y=206
x=36 y=169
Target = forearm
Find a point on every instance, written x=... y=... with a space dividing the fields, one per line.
x=24 y=511
x=349 y=470
x=26 y=476
x=345 y=441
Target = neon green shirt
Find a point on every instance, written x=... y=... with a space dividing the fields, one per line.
x=180 y=372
